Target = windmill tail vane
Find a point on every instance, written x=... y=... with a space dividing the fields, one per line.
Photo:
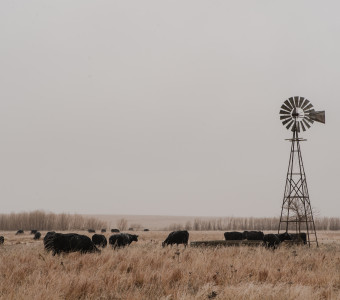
x=297 y=113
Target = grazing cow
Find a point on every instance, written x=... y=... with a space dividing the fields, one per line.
x=122 y=239
x=20 y=231
x=115 y=230
x=301 y=237
x=274 y=240
x=34 y=231
x=70 y=242
x=2 y=240
x=233 y=236
x=37 y=235
x=103 y=230
x=48 y=240
x=271 y=240
x=177 y=237
x=131 y=229
x=253 y=235
x=91 y=230
x=146 y=229
x=99 y=240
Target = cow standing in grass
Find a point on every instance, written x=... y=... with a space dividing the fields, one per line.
x=299 y=237
x=177 y=237
x=253 y=235
x=70 y=242
x=99 y=240
x=122 y=239
x=274 y=240
x=37 y=235
x=48 y=240
x=233 y=236
x=2 y=240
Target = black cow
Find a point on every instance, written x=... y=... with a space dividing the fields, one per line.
x=20 y=231
x=253 y=235
x=99 y=240
x=115 y=230
x=301 y=237
x=122 y=239
x=233 y=236
x=103 y=230
x=91 y=230
x=34 y=231
x=70 y=242
x=48 y=240
x=273 y=240
x=146 y=229
x=37 y=235
x=2 y=240
x=177 y=237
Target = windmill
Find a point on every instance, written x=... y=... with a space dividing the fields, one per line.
x=297 y=114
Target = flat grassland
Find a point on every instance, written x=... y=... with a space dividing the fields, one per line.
x=145 y=270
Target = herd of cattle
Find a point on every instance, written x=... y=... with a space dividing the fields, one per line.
x=72 y=242
x=270 y=240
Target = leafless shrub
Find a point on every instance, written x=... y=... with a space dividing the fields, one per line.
x=122 y=224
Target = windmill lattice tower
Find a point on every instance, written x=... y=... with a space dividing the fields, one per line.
x=297 y=114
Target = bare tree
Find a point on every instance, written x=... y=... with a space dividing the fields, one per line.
x=122 y=224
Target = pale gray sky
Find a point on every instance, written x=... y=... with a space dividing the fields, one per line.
x=164 y=107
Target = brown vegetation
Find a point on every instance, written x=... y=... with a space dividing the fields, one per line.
x=145 y=270
x=239 y=223
x=48 y=221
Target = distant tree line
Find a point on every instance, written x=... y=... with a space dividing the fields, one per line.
x=41 y=220
x=251 y=223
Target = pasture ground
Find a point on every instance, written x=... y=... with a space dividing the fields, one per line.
x=145 y=270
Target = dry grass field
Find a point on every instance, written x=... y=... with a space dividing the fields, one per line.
x=145 y=270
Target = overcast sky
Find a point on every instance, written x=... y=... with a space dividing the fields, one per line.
x=164 y=107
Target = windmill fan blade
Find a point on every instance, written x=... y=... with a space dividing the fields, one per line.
x=307 y=112
x=284 y=107
x=318 y=116
x=308 y=107
x=309 y=120
x=296 y=98
x=305 y=103
x=286 y=121
x=306 y=123
x=300 y=102
x=291 y=100
x=303 y=127
x=289 y=124
x=285 y=117
x=283 y=112
x=288 y=104
x=294 y=127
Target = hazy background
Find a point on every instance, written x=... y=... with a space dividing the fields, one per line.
x=164 y=107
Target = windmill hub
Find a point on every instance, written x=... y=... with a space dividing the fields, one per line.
x=298 y=113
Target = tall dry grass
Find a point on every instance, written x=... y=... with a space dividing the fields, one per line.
x=145 y=270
